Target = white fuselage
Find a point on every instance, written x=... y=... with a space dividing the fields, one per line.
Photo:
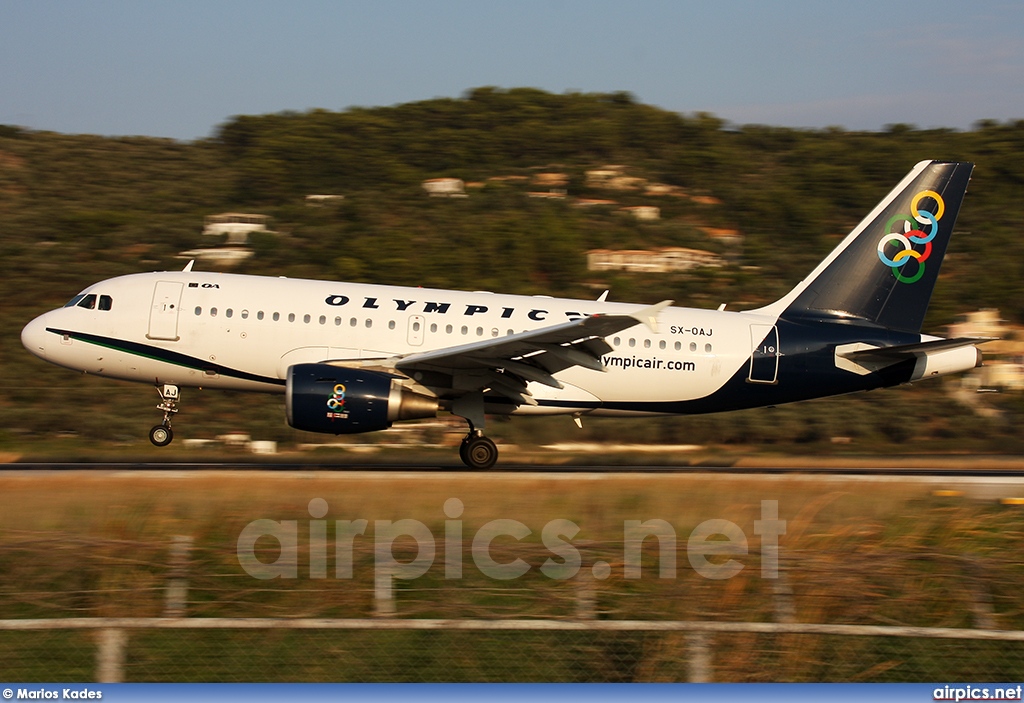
x=243 y=332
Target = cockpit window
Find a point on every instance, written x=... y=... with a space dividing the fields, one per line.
x=88 y=302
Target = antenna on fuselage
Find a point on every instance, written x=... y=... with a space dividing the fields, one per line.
x=189 y=265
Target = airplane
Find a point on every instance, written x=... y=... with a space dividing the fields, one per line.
x=352 y=357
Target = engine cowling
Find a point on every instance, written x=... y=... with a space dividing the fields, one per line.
x=338 y=400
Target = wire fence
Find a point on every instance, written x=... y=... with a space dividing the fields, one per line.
x=77 y=609
x=518 y=650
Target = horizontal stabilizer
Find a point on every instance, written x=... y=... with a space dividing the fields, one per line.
x=906 y=351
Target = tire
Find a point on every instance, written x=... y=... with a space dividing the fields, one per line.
x=161 y=435
x=479 y=453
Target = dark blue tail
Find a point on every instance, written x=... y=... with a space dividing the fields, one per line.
x=885 y=270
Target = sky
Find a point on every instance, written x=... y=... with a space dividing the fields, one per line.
x=180 y=69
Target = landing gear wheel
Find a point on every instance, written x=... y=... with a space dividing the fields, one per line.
x=478 y=452
x=161 y=435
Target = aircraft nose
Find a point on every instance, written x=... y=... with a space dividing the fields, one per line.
x=33 y=337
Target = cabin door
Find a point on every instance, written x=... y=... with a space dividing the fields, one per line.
x=163 y=316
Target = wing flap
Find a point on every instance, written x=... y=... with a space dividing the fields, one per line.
x=507 y=364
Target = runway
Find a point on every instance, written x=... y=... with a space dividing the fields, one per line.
x=1011 y=469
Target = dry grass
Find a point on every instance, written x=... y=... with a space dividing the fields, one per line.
x=871 y=552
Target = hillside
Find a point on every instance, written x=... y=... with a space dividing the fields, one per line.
x=77 y=208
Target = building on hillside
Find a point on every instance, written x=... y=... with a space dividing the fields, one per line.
x=979 y=323
x=594 y=202
x=662 y=189
x=659 y=260
x=322 y=200
x=550 y=180
x=445 y=188
x=644 y=213
x=730 y=237
x=223 y=256
x=1005 y=372
x=705 y=200
x=236 y=225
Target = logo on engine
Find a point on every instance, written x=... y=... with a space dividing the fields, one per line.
x=336 y=403
x=918 y=219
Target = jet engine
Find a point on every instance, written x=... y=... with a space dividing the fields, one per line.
x=339 y=400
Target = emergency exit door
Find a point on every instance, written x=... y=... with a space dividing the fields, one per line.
x=764 y=359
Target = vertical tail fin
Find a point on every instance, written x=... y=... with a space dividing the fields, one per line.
x=884 y=271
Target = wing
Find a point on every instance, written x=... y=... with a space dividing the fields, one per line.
x=505 y=365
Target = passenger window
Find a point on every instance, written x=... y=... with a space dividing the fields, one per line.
x=88 y=302
x=479 y=331
x=291 y=317
x=369 y=323
x=245 y=314
x=391 y=324
x=323 y=319
x=679 y=345
x=306 y=318
x=661 y=344
x=647 y=344
x=632 y=342
x=337 y=322
x=448 y=329
x=106 y=302
x=199 y=311
x=277 y=316
x=693 y=346
x=259 y=315
x=616 y=342
x=228 y=312
x=707 y=348
x=415 y=327
x=465 y=330
x=353 y=322
x=213 y=312
x=433 y=328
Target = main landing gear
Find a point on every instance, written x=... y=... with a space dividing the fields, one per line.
x=478 y=452
x=162 y=434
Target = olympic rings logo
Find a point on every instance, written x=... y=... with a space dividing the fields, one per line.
x=915 y=222
x=337 y=400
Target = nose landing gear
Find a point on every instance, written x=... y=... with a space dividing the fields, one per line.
x=162 y=434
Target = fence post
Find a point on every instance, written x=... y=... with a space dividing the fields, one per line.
x=983 y=613
x=176 y=593
x=782 y=596
x=699 y=668
x=591 y=571
x=110 y=655
x=383 y=593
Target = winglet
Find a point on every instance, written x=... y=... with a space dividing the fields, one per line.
x=649 y=316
